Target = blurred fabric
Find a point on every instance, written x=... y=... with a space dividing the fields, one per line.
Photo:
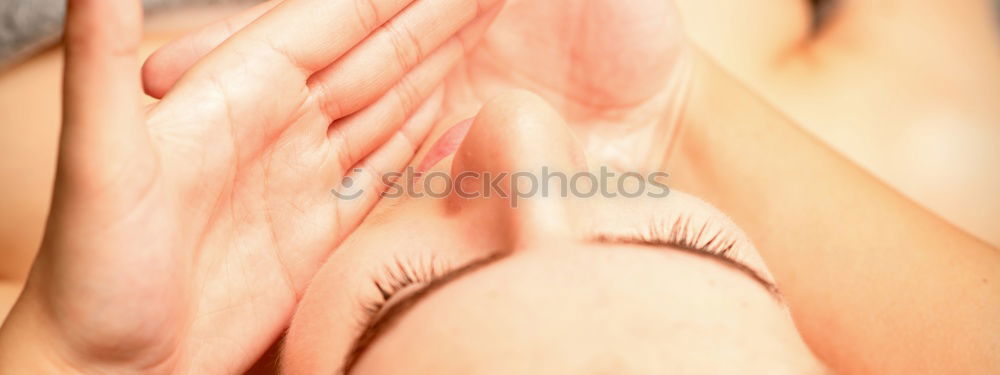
x=27 y=26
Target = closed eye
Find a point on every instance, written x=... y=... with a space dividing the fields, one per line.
x=710 y=243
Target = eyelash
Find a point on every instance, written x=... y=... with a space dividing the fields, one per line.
x=401 y=273
x=682 y=234
x=397 y=276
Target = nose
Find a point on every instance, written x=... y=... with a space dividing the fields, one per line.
x=528 y=152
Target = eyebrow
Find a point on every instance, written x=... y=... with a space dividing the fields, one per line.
x=394 y=313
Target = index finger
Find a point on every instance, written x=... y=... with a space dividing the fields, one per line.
x=165 y=66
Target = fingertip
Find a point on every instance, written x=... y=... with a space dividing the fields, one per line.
x=169 y=63
x=103 y=26
x=159 y=72
x=152 y=84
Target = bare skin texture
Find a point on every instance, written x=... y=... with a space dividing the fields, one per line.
x=729 y=136
x=609 y=69
x=558 y=301
x=870 y=297
x=904 y=88
x=882 y=83
x=861 y=254
x=892 y=99
x=203 y=217
x=898 y=290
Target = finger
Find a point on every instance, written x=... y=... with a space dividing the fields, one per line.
x=378 y=63
x=271 y=58
x=165 y=66
x=102 y=115
x=274 y=56
x=285 y=46
x=368 y=176
x=358 y=135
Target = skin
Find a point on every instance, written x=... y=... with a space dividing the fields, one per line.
x=530 y=303
x=879 y=82
x=621 y=107
x=933 y=141
x=636 y=103
x=617 y=105
x=858 y=254
x=848 y=278
x=843 y=282
x=554 y=270
x=196 y=202
x=737 y=134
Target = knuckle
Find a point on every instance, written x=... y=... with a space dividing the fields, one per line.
x=407 y=94
x=329 y=104
x=409 y=144
x=367 y=13
x=405 y=44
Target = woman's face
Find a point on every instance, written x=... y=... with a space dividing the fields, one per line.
x=454 y=284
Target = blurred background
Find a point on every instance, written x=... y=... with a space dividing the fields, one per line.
x=908 y=89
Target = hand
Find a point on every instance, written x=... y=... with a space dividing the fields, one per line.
x=180 y=238
x=617 y=70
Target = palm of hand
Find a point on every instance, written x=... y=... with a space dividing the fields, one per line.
x=614 y=69
x=261 y=230
x=183 y=239
x=224 y=259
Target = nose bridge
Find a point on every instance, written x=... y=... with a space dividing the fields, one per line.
x=522 y=146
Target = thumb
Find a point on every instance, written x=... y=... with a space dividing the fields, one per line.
x=102 y=121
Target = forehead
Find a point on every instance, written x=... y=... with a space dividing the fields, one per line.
x=574 y=304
